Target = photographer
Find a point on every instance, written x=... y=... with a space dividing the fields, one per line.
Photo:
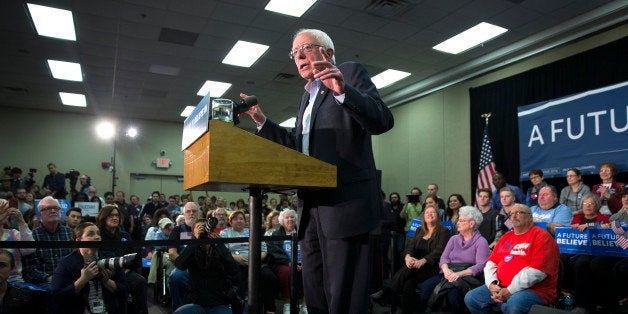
x=79 y=286
x=208 y=265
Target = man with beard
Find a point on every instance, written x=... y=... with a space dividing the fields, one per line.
x=179 y=279
x=221 y=214
x=521 y=271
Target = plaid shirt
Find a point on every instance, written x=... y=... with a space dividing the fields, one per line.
x=41 y=264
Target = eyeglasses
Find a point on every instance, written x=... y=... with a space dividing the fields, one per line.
x=519 y=212
x=587 y=203
x=464 y=220
x=305 y=48
x=50 y=208
x=605 y=170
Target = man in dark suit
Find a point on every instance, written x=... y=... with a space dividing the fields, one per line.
x=339 y=112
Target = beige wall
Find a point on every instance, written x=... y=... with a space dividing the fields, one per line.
x=431 y=142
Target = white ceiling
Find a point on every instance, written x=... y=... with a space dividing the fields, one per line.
x=119 y=41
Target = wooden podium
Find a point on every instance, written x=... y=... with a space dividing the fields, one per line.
x=227 y=158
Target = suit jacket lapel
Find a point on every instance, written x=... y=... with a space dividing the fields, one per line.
x=322 y=93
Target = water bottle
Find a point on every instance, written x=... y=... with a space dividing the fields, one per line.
x=568 y=303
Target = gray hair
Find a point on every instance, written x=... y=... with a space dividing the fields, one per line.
x=321 y=38
x=46 y=202
x=286 y=212
x=472 y=213
x=597 y=203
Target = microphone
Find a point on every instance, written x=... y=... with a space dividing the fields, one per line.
x=243 y=106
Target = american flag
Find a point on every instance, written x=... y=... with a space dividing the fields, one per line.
x=487 y=166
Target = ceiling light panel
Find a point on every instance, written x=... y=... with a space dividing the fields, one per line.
x=294 y=8
x=217 y=89
x=244 y=54
x=52 y=22
x=470 y=38
x=71 y=99
x=388 y=78
x=63 y=70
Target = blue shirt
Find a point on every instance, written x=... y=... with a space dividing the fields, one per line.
x=520 y=198
x=558 y=213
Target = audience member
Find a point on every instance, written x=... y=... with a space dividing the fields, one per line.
x=280 y=263
x=609 y=191
x=490 y=223
x=135 y=208
x=221 y=214
x=421 y=261
x=432 y=190
x=507 y=199
x=172 y=207
x=129 y=222
x=572 y=193
x=240 y=253
x=154 y=226
x=150 y=208
x=521 y=271
x=23 y=234
x=54 y=183
x=179 y=279
x=550 y=211
x=79 y=286
x=499 y=182
x=209 y=266
x=577 y=268
x=380 y=239
x=399 y=236
x=22 y=204
x=39 y=266
x=92 y=193
x=454 y=203
x=14 y=298
x=461 y=263
x=412 y=208
x=85 y=183
x=73 y=217
x=160 y=253
x=272 y=223
x=433 y=200
x=532 y=195
x=109 y=221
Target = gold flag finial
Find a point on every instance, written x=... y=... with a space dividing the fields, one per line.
x=486 y=116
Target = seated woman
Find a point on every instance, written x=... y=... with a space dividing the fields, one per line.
x=573 y=192
x=451 y=212
x=281 y=263
x=109 y=221
x=79 y=286
x=609 y=191
x=272 y=223
x=577 y=270
x=421 y=261
x=240 y=253
x=462 y=264
x=208 y=265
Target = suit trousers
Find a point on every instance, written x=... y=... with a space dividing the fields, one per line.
x=335 y=271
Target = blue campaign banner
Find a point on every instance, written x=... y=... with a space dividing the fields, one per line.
x=591 y=241
x=416 y=223
x=579 y=131
x=287 y=247
x=449 y=226
x=196 y=123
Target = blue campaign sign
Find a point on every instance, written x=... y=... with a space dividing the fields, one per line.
x=196 y=124
x=580 y=131
x=415 y=224
x=287 y=247
x=448 y=225
x=591 y=241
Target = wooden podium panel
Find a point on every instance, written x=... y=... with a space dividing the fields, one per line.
x=227 y=158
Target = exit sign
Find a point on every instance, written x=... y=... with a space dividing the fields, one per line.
x=163 y=163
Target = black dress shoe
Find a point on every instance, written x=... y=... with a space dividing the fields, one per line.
x=382 y=297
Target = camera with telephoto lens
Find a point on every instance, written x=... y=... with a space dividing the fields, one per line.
x=114 y=263
x=208 y=227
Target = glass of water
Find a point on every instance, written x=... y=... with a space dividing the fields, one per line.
x=222 y=109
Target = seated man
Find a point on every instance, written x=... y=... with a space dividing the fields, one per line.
x=38 y=267
x=521 y=271
x=550 y=211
